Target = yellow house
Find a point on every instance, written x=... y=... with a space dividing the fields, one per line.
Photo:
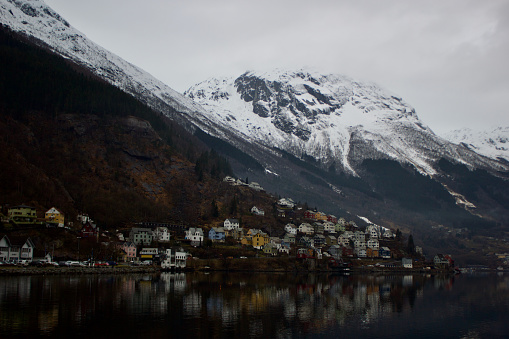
x=247 y=240
x=260 y=239
x=321 y=216
x=22 y=214
x=54 y=216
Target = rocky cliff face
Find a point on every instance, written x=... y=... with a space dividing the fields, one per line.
x=330 y=118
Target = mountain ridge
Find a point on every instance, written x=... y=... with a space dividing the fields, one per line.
x=492 y=143
x=322 y=115
x=405 y=177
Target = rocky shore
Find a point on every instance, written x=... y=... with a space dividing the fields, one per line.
x=77 y=270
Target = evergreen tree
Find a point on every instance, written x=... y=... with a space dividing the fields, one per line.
x=215 y=209
x=410 y=245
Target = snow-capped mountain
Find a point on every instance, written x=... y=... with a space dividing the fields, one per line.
x=35 y=19
x=307 y=132
x=492 y=143
x=331 y=118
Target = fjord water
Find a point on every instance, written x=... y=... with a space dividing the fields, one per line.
x=235 y=305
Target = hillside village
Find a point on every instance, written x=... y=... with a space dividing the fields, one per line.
x=308 y=234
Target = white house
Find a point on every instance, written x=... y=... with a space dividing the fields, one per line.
x=291 y=229
x=229 y=179
x=344 y=240
x=360 y=252
x=329 y=227
x=17 y=249
x=358 y=243
x=373 y=243
x=175 y=259
x=161 y=234
x=407 y=262
x=373 y=231
x=358 y=235
x=306 y=228
x=387 y=233
x=255 y=186
x=195 y=234
x=286 y=203
x=256 y=211
x=231 y=224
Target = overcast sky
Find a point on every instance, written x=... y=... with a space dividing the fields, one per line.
x=446 y=58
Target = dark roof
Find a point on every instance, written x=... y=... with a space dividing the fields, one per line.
x=22 y=206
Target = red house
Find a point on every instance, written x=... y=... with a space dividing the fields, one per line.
x=347 y=252
x=332 y=218
x=309 y=215
x=89 y=230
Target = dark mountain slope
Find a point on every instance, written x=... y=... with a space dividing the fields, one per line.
x=72 y=141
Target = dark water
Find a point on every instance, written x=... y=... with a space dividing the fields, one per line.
x=221 y=305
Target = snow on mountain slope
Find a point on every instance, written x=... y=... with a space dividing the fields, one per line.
x=35 y=19
x=493 y=143
x=331 y=118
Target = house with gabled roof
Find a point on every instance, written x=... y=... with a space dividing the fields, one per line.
x=130 y=250
x=230 y=224
x=256 y=211
x=195 y=234
x=384 y=252
x=373 y=243
x=335 y=251
x=255 y=186
x=306 y=228
x=319 y=240
x=16 y=249
x=89 y=229
x=141 y=236
x=217 y=234
x=54 y=216
x=260 y=239
x=289 y=238
x=161 y=234
x=328 y=227
x=286 y=203
x=270 y=249
x=291 y=229
x=331 y=240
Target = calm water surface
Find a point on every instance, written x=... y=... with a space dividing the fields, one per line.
x=220 y=305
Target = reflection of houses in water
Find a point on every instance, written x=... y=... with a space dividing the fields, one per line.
x=174 y=282
x=191 y=304
x=289 y=308
x=20 y=287
x=229 y=314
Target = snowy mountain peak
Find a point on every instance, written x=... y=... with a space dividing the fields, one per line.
x=493 y=143
x=37 y=20
x=297 y=97
x=311 y=114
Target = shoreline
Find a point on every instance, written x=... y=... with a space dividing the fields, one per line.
x=16 y=271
